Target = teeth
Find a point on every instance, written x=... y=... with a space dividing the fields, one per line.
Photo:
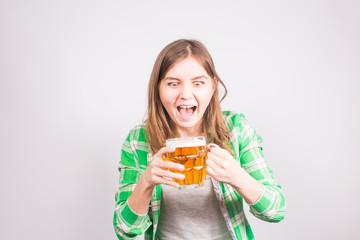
x=186 y=107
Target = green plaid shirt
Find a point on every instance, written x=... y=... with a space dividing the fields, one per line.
x=245 y=143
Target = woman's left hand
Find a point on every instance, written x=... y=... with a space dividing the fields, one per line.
x=222 y=166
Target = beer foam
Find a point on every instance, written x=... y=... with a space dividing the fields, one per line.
x=186 y=142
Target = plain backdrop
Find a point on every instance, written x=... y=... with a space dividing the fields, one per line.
x=73 y=82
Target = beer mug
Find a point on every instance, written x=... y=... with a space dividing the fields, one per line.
x=192 y=154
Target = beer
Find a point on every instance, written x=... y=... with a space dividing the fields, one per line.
x=191 y=153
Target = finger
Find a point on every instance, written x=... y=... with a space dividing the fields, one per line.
x=164 y=173
x=216 y=168
x=219 y=161
x=214 y=174
x=219 y=151
x=170 y=165
x=163 y=151
x=218 y=172
x=160 y=180
x=211 y=145
x=210 y=172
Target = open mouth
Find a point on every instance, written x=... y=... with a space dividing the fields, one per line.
x=186 y=111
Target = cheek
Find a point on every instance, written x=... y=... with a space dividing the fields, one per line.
x=204 y=98
x=162 y=95
x=166 y=98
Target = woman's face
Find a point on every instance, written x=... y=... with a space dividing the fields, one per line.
x=185 y=92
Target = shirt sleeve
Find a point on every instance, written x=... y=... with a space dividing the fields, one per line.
x=271 y=205
x=127 y=223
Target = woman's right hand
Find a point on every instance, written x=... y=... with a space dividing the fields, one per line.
x=154 y=175
x=158 y=170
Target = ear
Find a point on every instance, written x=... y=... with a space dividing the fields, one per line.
x=215 y=85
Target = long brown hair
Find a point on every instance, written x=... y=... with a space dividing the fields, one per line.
x=159 y=126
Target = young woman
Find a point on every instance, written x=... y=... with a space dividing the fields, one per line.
x=183 y=101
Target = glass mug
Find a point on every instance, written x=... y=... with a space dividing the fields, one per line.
x=191 y=153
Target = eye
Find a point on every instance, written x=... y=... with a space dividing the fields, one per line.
x=173 y=84
x=198 y=83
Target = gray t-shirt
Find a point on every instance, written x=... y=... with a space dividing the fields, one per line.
x=191 y=214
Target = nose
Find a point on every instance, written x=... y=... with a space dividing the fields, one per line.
x=186 y=91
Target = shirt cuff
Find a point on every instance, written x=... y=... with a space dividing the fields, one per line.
x=132 y=218
x=263 y=202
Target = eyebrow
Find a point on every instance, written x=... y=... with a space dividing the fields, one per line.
x=195 y=78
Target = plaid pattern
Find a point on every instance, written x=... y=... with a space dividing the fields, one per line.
x=135 y=157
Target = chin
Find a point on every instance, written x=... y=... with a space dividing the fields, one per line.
x=188 y=125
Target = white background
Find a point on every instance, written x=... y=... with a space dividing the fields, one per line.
x=74 y=79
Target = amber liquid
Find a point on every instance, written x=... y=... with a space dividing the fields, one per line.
x=193 y=159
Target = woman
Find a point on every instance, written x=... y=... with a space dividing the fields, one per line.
x=183 y=101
